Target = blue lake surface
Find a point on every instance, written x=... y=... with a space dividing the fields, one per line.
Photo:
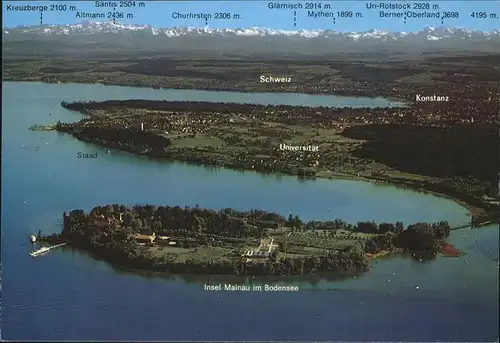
x=68 y=295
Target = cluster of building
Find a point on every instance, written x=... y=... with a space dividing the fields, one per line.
x=143 y=239
x=108 y=221
x=157 y=123
x=182 y=122
x=466 y=103
x=262 y=252
x=154 y=239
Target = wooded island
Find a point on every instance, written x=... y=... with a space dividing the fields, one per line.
x=204 y=241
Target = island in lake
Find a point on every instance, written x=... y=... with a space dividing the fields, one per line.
x=204 y=241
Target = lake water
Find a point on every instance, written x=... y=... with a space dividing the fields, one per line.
x=68 y=295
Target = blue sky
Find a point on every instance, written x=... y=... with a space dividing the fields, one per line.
x=256 y=13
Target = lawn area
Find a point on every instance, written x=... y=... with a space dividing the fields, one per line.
x=198 y=141
x=313 y=240
x=207 y=254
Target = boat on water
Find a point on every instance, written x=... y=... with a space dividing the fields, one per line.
x=43 y=250
x=40 y=251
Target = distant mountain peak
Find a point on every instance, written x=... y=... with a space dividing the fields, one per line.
x=86 y=27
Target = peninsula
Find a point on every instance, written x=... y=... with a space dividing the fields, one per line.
x=453 y=160
x=204 y=241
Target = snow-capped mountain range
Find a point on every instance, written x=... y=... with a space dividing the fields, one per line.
x=95 y=28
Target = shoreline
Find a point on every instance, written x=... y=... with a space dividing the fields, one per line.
x=402 y=102
x=472 y=209
x=193 y=240
x=184 y=156
x=233 y=154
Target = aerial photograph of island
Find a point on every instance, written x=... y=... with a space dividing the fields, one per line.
x=250 y=170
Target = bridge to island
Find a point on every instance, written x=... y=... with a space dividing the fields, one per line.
x=474 y=223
